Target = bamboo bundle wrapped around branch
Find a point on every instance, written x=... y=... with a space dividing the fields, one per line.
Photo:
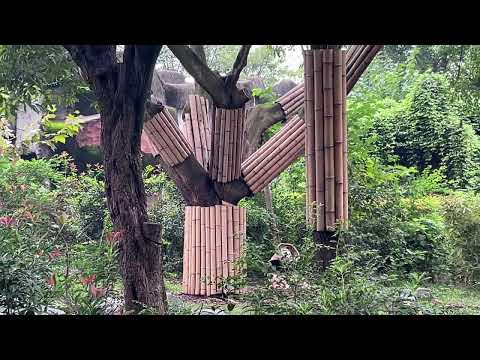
x=165 y=135
x=227 y=144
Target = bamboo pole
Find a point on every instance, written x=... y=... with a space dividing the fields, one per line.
x=207 y=127
x=186 y=251
x=203 y=135
x=319 y=142
x=206 y=214
x=230 y=253
x=345 y=141
x=328 y=139
x=192 y=250
x=213 y=249
x=338 y=132
x=354 y=53
x=203 y=249
x=226 y=151
x=233 y=127
x=189 y=130
x=274 y=157
x=218 y=245
x=236 y=238
x=214 y=144
x=309 y=129
x=241 y=139
x=224 y=244
x=221 y=152
x=197 y=250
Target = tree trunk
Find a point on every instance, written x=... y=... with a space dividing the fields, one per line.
x=327 y=247
x=140 y=246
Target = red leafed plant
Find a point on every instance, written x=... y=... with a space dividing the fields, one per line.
x=54 y=254
x=97 y=292
x=88 y=280
x=7 y=221
x=114 y=236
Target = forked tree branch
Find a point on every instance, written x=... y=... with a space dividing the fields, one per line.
x=238 y=66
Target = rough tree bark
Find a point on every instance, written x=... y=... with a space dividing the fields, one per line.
x=122 y=90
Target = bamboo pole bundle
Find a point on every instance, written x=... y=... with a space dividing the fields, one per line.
x=206 y=214
x=175 y=131
x=274 y=144
x=197 y=250
x=218 y=246
x=319 y=141
x=309 y=131
x=290 y=95
x=354 y=63
x=295 y=150
x=345 y=140
x=236 y=120
x=338 y=132
x=168 y=152
x=274 y=158
x=279 y=138
x=213 y=249
x=328 y=138
x=356 y=72
x=213 y=242
x=353 y=54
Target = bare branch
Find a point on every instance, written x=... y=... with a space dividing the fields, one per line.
x=238 y=66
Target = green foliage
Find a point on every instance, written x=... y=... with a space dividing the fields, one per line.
x=30 y=73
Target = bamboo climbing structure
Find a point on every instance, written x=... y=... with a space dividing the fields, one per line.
x=325 y=117
x=214 y=241
x=214 y=236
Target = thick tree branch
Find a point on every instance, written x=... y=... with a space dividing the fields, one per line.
x=207 y=79
x=238 y=66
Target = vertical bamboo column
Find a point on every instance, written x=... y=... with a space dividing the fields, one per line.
x=236 y=237
x=319 y=140
x=328 y=139
x=191 y=225
x=345 y=139
x=338 y=131
x=310 y=133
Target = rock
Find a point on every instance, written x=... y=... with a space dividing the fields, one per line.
x=423 y=293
